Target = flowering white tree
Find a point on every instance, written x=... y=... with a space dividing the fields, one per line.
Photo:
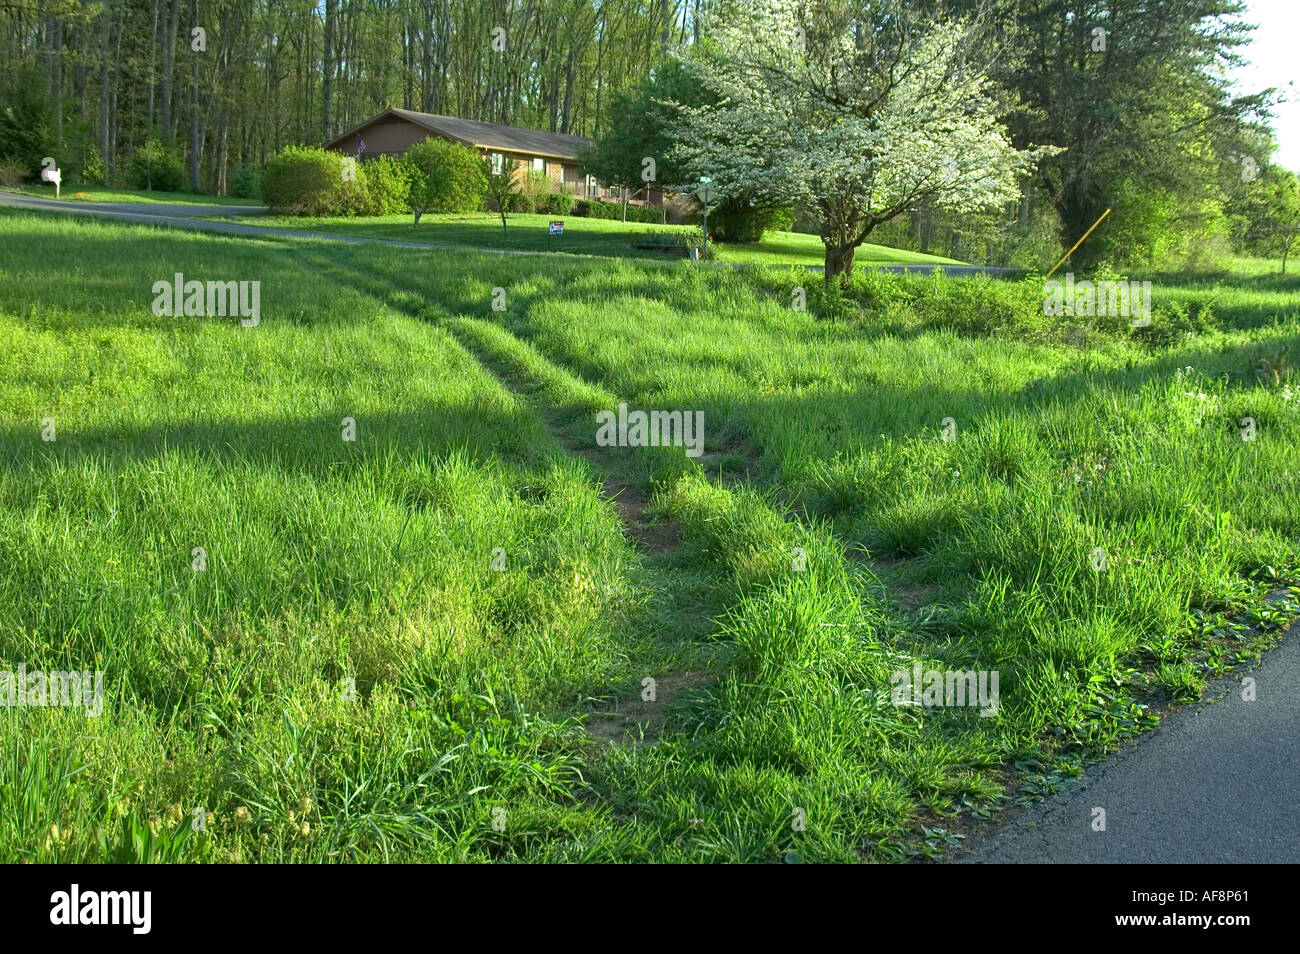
x=850 y=109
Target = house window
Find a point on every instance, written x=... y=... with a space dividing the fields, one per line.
x=591 y=186
x=539 y=165
x=498 y=162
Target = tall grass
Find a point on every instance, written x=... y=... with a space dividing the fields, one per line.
x=348 y=678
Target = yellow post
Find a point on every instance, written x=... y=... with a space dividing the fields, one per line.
x=1076 y=245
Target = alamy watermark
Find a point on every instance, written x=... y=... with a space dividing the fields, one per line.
x=951 y=687
x=1104 y=298
x=129 y=908
x=651 y=429
x=213 y=299
x=42 y=689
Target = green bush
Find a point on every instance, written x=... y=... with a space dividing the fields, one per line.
x=591 y=208
x=444 y=177
x=537 y=184
x=307 y=180
x=244 y=182
x=557 y=203
x=155 y=167
x=26 y=111
x=521 y=203
x=598 y=210
x=12 y=173
x=735 y=220
x=92 y=167
x=388 y=185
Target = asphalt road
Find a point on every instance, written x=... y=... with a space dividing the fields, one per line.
x=1218 y=782
x=187 y=217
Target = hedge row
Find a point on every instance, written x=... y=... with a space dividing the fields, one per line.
x=309 y=181
x=591 y=208
x=446 y=177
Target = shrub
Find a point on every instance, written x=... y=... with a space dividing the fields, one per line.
x=25 y=116
x=591 y=208
x=12 y=173
x=646 y=213
x=157 y=167
x=596 y=210
x=307 y=180
x=536 y=184
x=521 y=203
x=557 y=203
x=245 y=182
x=92 y=170
x=444 y=177
x=735 y=220
x=388 y=185
x=673 y=240
x=500 y=189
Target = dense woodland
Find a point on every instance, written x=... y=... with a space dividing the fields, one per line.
x=265 y=73
x=1135 y=95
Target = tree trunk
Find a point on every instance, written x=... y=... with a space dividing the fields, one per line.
x=223 y=154
x=570 y=77
x=1079 y=207
x=839 y=261
x=112 y=104
x=153 y=65
x=195 y=150
x=105 y=34
x=168 y=113
x=327 y=70
x=56 y=77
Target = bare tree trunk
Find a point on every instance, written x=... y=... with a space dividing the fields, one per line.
x=327 y=69
x=80 y=71
x=105 y=91
x=112 y=106
x=169 y=67
x=55 y=33
x=570 y=77
x=223 y=135
x=153 y=65
x=195 y=147
x=839 y=261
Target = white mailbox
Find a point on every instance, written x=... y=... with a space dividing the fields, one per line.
x=53 y=175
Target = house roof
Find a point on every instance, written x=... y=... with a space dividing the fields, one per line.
x=471 y=132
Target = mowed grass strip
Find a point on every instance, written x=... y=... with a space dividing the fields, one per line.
x=96 y=193
x=526 y=231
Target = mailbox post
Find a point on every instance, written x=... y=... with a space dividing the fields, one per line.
x=55 y=176
x=705 y=182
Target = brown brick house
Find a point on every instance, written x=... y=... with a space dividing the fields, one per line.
x=394 y=131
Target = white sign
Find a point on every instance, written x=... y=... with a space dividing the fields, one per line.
x=555 y=228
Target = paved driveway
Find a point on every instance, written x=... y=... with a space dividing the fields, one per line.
x=187 y=217
x=1217 y=782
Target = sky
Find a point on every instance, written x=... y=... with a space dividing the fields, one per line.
x=1275 y=61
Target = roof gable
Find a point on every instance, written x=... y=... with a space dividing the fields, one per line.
x=482 y=135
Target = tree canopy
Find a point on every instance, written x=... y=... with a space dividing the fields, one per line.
x=851 y=109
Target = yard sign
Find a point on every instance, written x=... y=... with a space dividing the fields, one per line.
x=555 y=228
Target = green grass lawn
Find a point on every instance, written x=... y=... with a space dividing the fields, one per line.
x=93 y=193
x=433 y=642
x=583 y=236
